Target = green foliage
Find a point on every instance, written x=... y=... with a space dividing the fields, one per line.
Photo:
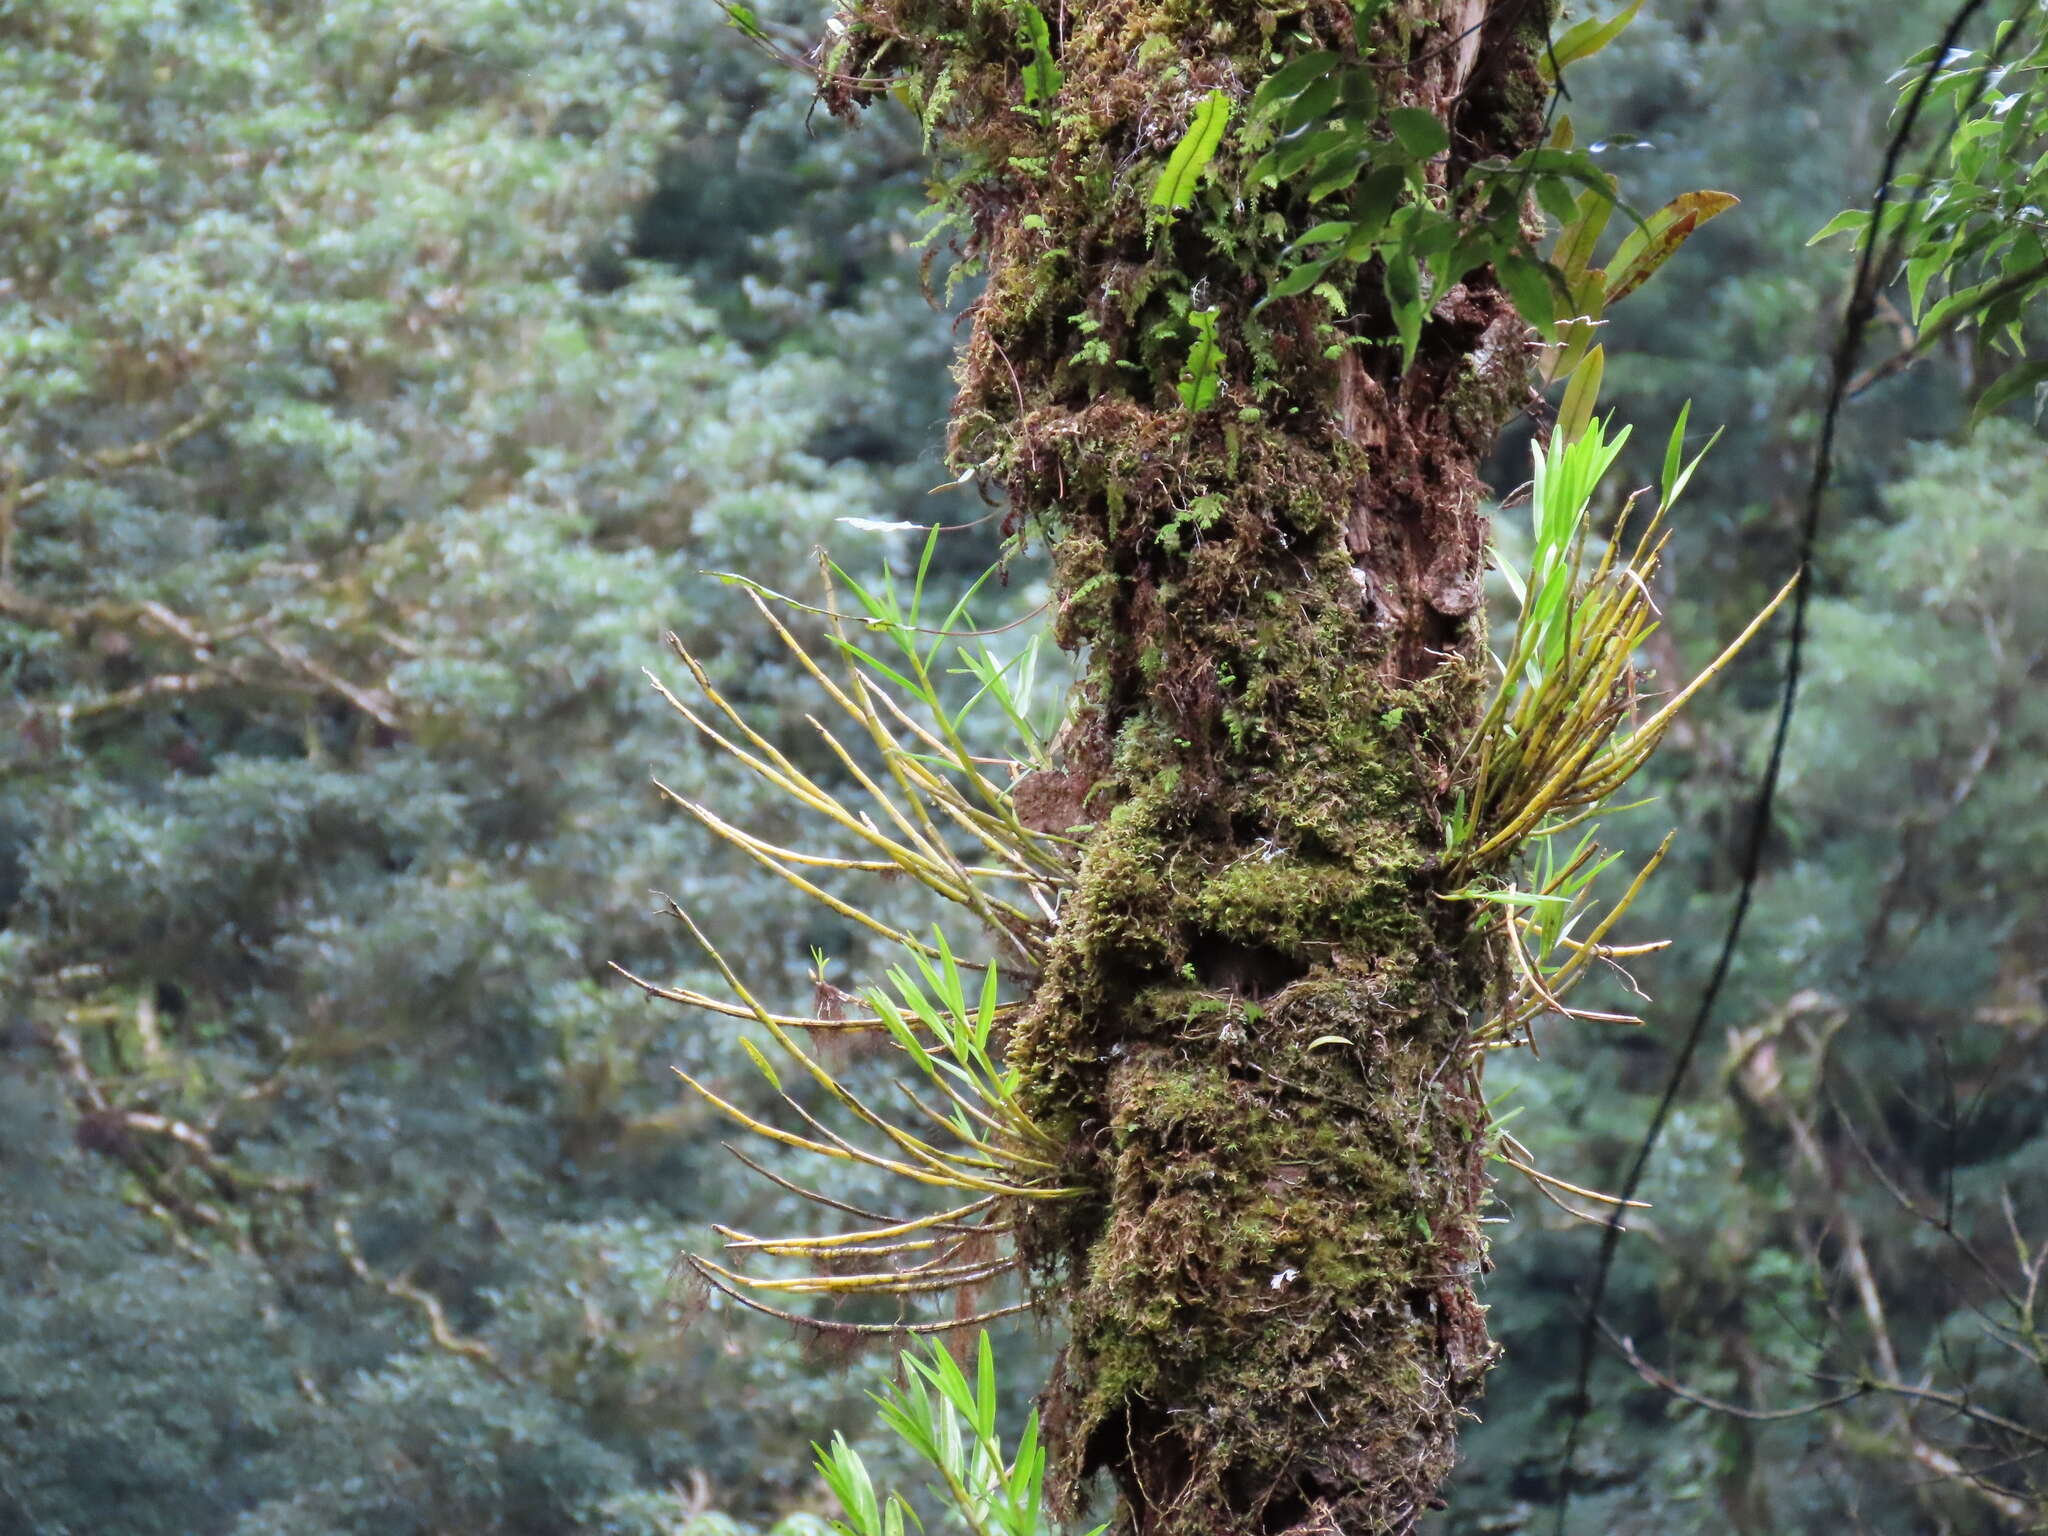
x=1202 y=379
x=1585 y=38
x=1042 y=76
x=1717 y=1280
x=373 y=397
x=950 y=1423
x=1191 y=156
x=417 y=373
x=1565 y=730
x=1968 y=229
x=955 y=831
x=1317 y=121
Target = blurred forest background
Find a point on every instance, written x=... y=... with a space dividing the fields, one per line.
x=377 y=382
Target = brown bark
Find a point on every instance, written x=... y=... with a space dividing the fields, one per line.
x=1253 y=1031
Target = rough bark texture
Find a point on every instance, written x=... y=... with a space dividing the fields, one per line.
x=1253 y=1030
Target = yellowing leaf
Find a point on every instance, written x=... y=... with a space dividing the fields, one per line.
x=1647 y=248
x=1589 y=304
x=754 y=1054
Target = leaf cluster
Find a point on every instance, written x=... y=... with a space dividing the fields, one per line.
x=1324 y=135
x=1564 y=731
x=949 y=1421
x=1969 y=228
x=933 y=813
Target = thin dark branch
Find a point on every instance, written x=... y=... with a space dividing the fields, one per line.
x=1863 y=299
x=1944 y=1224
x=1960 y=1406
x=1907 y=356
x=1627 y=1350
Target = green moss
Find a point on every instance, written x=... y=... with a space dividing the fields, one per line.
x=1305 y=900
x=1250 y=1026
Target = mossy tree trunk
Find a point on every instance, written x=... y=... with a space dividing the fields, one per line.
x=1253 y=1031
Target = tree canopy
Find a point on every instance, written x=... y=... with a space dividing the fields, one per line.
x=378 y=385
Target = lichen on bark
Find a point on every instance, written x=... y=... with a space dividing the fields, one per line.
x=1252 y=1033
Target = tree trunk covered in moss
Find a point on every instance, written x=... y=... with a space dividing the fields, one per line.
x=1253 y=1031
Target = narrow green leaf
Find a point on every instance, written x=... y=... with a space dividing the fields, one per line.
x=1575 y=414
x=900 y=1031
x=1589 y=303
x=744 y=20
x=2026 y=377
x=847 y=1477
x=1300 y=280
x=1920 y=271
x=1685 y=475
x=985 y=1014
x=1673 y=451
x=1328 y=233
x=985 y=1389
x=1577 y=240
x=1031 y=1469
x=1961 y=302
x=1850 y=221
x=1203 y=378
x=1191 y=156
x=1042 y=77
x=762 y=1063
x=874 y=661
x=1584 y=40
x=1404 y=298
x=958 y=611
x=955 y=995
x=924 y=565
x=1291 y=79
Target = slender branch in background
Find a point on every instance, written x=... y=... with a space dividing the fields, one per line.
x=18 y=495
x=2012 y=1442
x=297 y=672
x=1878 y=258
x=1626 y=1348
x=402 y=1288
x=1920 y=345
